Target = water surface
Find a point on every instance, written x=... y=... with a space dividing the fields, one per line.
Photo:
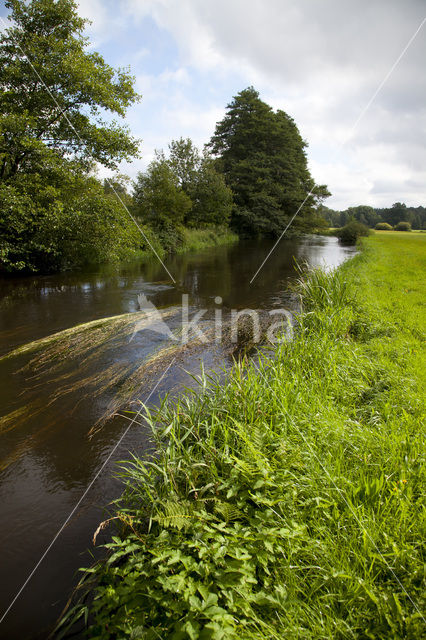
x=47 y=460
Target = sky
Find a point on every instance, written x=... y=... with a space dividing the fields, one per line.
x=321 y=61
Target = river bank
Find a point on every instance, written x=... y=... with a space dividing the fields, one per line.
x=186 y=241
x=288 y=501
x=53 y=396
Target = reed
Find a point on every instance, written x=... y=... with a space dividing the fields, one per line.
x=288 y=502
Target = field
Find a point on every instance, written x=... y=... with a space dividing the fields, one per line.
x=287 y=503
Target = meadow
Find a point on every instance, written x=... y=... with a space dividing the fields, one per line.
x=288 y=501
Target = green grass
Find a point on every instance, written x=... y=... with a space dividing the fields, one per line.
x=191 y=240
x=288 y=502
x=198 y=239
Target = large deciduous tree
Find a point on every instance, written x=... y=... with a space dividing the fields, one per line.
x=55 y=95
x=182 y=188
x=263 y=159
x=54 y=92
x=158 y=196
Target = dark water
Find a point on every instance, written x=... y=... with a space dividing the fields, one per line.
x=47 y=461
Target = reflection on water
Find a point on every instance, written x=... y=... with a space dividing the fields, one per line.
x=46 y=457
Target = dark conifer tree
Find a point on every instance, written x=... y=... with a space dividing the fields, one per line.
x=262 y=156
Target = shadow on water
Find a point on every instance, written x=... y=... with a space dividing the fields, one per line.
x=58 y=399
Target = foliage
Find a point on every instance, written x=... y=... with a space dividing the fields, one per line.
x=263 y=159
x=117 y=187
x=60 y=218
x=211 y=198
x=416 y=216
x=383 y=226
x=158 y=196
x=352 y=231
x=286 y=503
x=198 y=239
x=362 y=213
x=403 y=226
x=183 y=188
x=184 y=160
x=53 y=94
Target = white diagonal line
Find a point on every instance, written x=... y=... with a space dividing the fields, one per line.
x=351 y=131
x=383 y=82
x=278 y=241
x=65 y=116
x=85 y=493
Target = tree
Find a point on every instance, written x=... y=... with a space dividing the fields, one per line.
x=61 y=219
x=119 y=186
x=159 y=198
x=263 y=159
x=364 y=214
x=184 y=160
x=329 y=215
x=53 y=93
x=206 y=187
x=397 y=213
x=183 y=188
x=211 y=198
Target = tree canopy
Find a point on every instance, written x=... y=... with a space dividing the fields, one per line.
x=183 y=187
x=53 y=97
x=54 y=91
x=371 y=216
x=262 y=156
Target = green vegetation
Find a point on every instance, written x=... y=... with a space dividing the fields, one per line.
x=49 y=199
x=287 y=503
x=403 y=226
x=262 y=156
x=182 y=191
x=398 y=212
x=383 y=226
x=198 y=239
x=351 y=232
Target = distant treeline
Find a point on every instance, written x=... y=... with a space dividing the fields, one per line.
x=370 y=216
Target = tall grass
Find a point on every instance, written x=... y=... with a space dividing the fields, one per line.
x=198 y=239
x=286 y=503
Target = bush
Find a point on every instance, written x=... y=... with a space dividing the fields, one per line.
x=170 y=236
x=47 y=227
x=403 y=226
x=350 y=233
x=383 y=226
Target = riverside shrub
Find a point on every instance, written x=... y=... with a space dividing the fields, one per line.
x=351 y=232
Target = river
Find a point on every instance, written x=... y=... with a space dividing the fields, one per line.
x=50 y=403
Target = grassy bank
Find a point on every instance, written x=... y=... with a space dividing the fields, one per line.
x=288 y=502
x=198 y=239
x=184 y=241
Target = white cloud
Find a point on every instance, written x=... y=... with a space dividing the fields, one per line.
x=319 y=61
